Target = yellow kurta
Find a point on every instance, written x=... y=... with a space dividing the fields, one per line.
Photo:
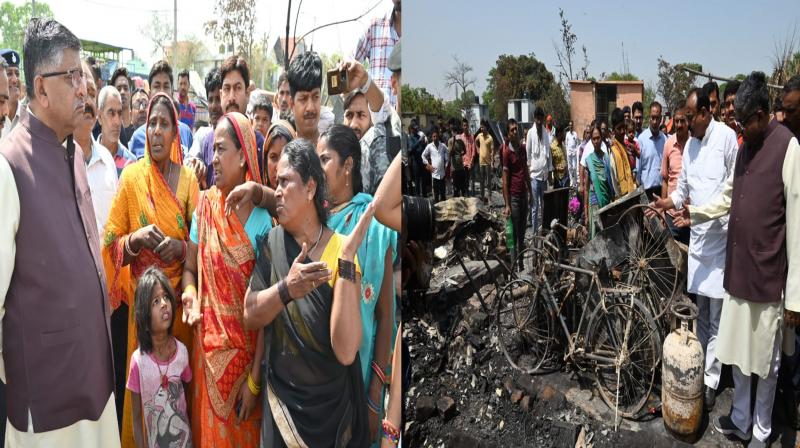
x=747 y=330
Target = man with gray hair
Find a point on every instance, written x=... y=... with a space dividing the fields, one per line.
x=109 y=113
x=259 y=111
x=53 y=297
x=762 y=264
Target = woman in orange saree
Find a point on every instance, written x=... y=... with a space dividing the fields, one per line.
x=149 y=224
x=226 y=362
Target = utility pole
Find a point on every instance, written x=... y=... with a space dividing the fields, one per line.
x=175 y=35
x=286 y=50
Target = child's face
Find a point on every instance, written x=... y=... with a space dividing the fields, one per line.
x=630 y=134
x=160 y=311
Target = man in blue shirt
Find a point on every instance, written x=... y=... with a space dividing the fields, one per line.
x=651 y=142
x=160 y=80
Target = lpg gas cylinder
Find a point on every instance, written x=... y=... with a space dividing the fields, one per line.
x=682 y=374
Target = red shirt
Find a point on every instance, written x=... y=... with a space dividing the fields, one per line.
x=516 y=163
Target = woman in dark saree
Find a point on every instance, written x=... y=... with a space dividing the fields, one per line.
x=305 y=292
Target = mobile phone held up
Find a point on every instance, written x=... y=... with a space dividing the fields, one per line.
x=337 y=81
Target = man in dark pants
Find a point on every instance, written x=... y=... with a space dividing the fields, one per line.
x=516 y=186
x=435 y=158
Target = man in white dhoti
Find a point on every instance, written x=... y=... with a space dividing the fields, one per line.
x=708 y=161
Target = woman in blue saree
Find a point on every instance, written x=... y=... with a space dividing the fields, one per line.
x=340 y=153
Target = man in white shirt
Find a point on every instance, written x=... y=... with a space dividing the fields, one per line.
x=540 y=163
x=572 y=143
x=101 y=172
x=435 y=158
x=708 y=160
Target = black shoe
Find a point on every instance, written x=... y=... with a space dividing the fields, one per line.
x=724 y=425
x=709 y=398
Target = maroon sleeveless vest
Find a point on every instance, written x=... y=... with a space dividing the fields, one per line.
x=56 y=338
x=756 y=265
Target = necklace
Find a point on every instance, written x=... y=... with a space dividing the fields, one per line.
x=164 y=378
x=339 y=207
x=169 y=175
x=318 y=238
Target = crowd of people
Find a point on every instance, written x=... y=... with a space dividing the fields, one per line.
x=725 y=173
x=167 y=283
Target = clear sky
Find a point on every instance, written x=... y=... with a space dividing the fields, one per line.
x=119 y=22
x=726 y=37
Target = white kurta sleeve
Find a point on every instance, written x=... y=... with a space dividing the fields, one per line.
x=791 y=185
x=720 y=206
x=9 y=223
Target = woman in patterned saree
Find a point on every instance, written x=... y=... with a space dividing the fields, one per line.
x=305 y=292
x=227 y=359
x=148 y=225
x=340 y=154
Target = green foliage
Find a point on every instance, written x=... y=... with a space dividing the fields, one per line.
x=516 y=77
x=649 y=97
x=673 y=83
x=14 y=19
x=234 y=21
x=419 y=101
x=614 y=76
x=488 y=99
x=554 y=102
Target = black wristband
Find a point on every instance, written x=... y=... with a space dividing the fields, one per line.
x=283 y=291
x=347 y=270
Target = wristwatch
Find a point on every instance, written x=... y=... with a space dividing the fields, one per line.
x=347 y=270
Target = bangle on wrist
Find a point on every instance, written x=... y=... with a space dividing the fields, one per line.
x=374 y=407
x=363 y=89
x=128 y=247
x=283 y=291
x=191 y=288
x=379 y=373
x=390 y=432
x=255 y=389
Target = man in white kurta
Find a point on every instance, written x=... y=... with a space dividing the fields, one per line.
x=707 y=162
x=751 y=329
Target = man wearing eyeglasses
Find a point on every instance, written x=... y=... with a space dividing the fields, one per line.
x=762 y=268
x=53 y=296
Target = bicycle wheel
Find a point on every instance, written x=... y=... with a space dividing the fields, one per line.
x=627 y=337
x=533 y=258
x=526 y=326
x=648 y=264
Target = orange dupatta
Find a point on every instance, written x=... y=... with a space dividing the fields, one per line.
x=143 y=198
x=225 y=260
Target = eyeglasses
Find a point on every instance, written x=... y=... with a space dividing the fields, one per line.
x=141 y=104
x=76 y=75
